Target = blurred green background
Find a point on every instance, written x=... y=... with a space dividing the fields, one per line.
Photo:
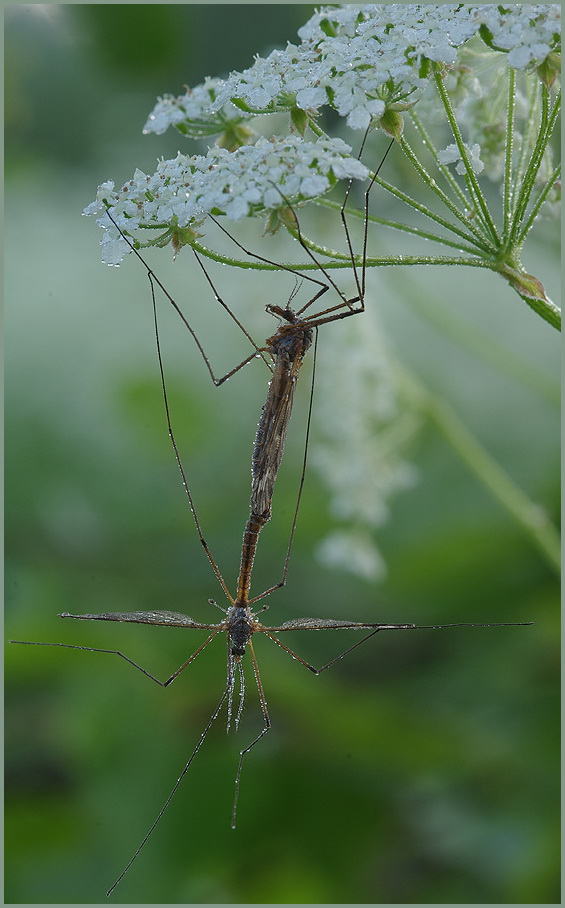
x=423 y=768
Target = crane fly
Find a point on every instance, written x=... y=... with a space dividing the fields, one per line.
x=284 y=354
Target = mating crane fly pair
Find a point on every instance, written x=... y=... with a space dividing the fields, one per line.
x=284 y=354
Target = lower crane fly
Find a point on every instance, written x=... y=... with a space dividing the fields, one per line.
x=284 y=353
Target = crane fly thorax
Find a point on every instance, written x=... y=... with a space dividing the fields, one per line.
x=240 y=629
x=290 y=342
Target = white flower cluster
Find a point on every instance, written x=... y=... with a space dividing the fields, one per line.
x=529 y=32
x=347 y=76
x=358 y=410
x=451 y=154
x=367 y=62
x=361 y=59
x=250 y=180
x=190 y=112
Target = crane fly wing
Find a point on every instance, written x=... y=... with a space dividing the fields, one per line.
x=320 y=624
x=173 y=619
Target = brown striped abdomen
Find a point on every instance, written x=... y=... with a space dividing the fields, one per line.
x=250 y=538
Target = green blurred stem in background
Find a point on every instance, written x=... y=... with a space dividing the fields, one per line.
x=531 y=517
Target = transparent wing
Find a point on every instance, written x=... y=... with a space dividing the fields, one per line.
x=320 y=624
x=172 y=619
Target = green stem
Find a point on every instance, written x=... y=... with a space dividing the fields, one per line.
x=533 y=296
x=482 y=344
x=528 y=287
x=527 y=183
x=541 y=199
x=316 y=129
x=473 y=183
x=403 y=228
x=547 y=124
x=427 y=142
x=529 y=131
x=342 y=260
x=481 y=240
x=532 y=517
x=470 y=234
x=508 y=152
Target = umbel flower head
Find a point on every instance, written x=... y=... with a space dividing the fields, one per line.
x=363 y=60
x=368 y=62
x=251 y=180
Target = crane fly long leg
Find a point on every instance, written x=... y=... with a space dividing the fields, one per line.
x=264 y=730
x=153 y=279
x=331 y=624
x=300 y=237
x=191 y=658
x=174 y=789
x=186 y=487
x=217 y=381
x=302 y=275
x=319 y=318
x=92 y=649
x=318 y=671
x=258 y=350
x=294 y=655
x=361 y=287
x=359 y=284
x=166 y=619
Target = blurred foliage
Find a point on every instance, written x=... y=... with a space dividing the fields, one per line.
x=424 y=768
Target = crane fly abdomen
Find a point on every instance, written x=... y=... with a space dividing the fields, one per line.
x=253 y=527
x=289 y=347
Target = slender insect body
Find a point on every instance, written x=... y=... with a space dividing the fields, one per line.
x=289 y=346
